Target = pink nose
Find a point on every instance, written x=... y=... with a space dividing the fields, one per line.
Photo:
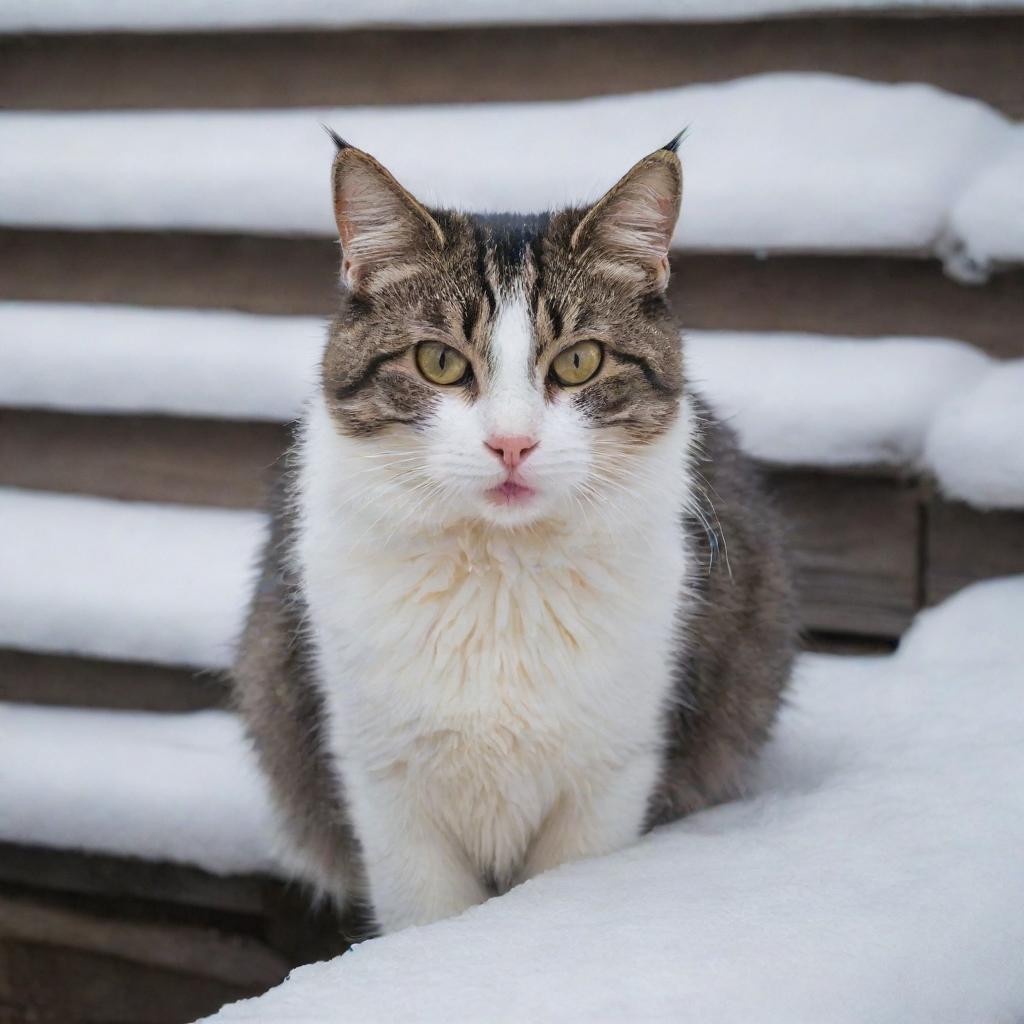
x=511 y=450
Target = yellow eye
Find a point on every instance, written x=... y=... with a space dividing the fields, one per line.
x=578 y=364
x=440 y=364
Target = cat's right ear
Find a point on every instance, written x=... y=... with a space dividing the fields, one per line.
x=380 y=225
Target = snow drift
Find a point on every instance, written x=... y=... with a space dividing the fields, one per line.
x=873 y=873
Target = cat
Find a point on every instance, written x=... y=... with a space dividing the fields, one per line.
x=523 y=599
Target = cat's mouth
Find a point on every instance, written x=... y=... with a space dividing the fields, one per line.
x=511 y=492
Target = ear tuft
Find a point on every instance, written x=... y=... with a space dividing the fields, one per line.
x=672 y=146
x=380 y=225
x=632 y=224
x=338 y=141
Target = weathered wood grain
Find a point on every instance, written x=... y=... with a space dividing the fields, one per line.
x=110 y=879
x=154 y=458
x=55 y=984
x=965 y=545
x=103 y=939
x=55 y=679
x=854 y=542
x=978 y=55
x=200 y=952
x=848 y=295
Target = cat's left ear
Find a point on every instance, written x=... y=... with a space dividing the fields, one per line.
x=632 y=224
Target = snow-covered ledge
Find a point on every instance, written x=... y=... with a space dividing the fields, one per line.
x=199 y=15
x=873 y=873
x=777 y=163
x=795 y=399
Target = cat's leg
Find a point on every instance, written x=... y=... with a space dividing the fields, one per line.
x=607 y=818
x=416 y=872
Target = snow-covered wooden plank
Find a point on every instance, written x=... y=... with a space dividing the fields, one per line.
x=782 y=163
x=126 y=581
x=987 y=222
x=975 y=444
x=807 y=400
x=794 y=399
x=192 y=15
x=93 y=358
x=164 y=787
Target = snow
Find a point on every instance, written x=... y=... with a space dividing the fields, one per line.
x=804 y=399
x=130 y=581
x=165 y=787
x=987 y=222
x=779 y=162
x=975 y=447
x=196 y=15
x=794 y=399
x=92 y=358
x=872 y=874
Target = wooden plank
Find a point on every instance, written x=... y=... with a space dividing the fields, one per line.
x=66 y=680
x=849 y=295
x=855 y=544
x=847 y=644
x=113 y=879
x=154 y=458
x=965 y=545
x=41 y=984
x=977 y=55
x=198 y=952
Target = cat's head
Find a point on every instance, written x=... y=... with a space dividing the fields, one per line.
x=509 y=368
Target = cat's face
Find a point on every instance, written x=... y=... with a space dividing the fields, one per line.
x=505 y=369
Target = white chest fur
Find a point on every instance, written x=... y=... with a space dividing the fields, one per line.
x=481 y=678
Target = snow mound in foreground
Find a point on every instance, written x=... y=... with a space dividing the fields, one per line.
x=873 y=874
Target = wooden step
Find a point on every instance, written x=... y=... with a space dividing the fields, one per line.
x=148 y=458
x=66 y=680
x=964 y=545
x=865 y=296
x=973 y=54
x=86 y=938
